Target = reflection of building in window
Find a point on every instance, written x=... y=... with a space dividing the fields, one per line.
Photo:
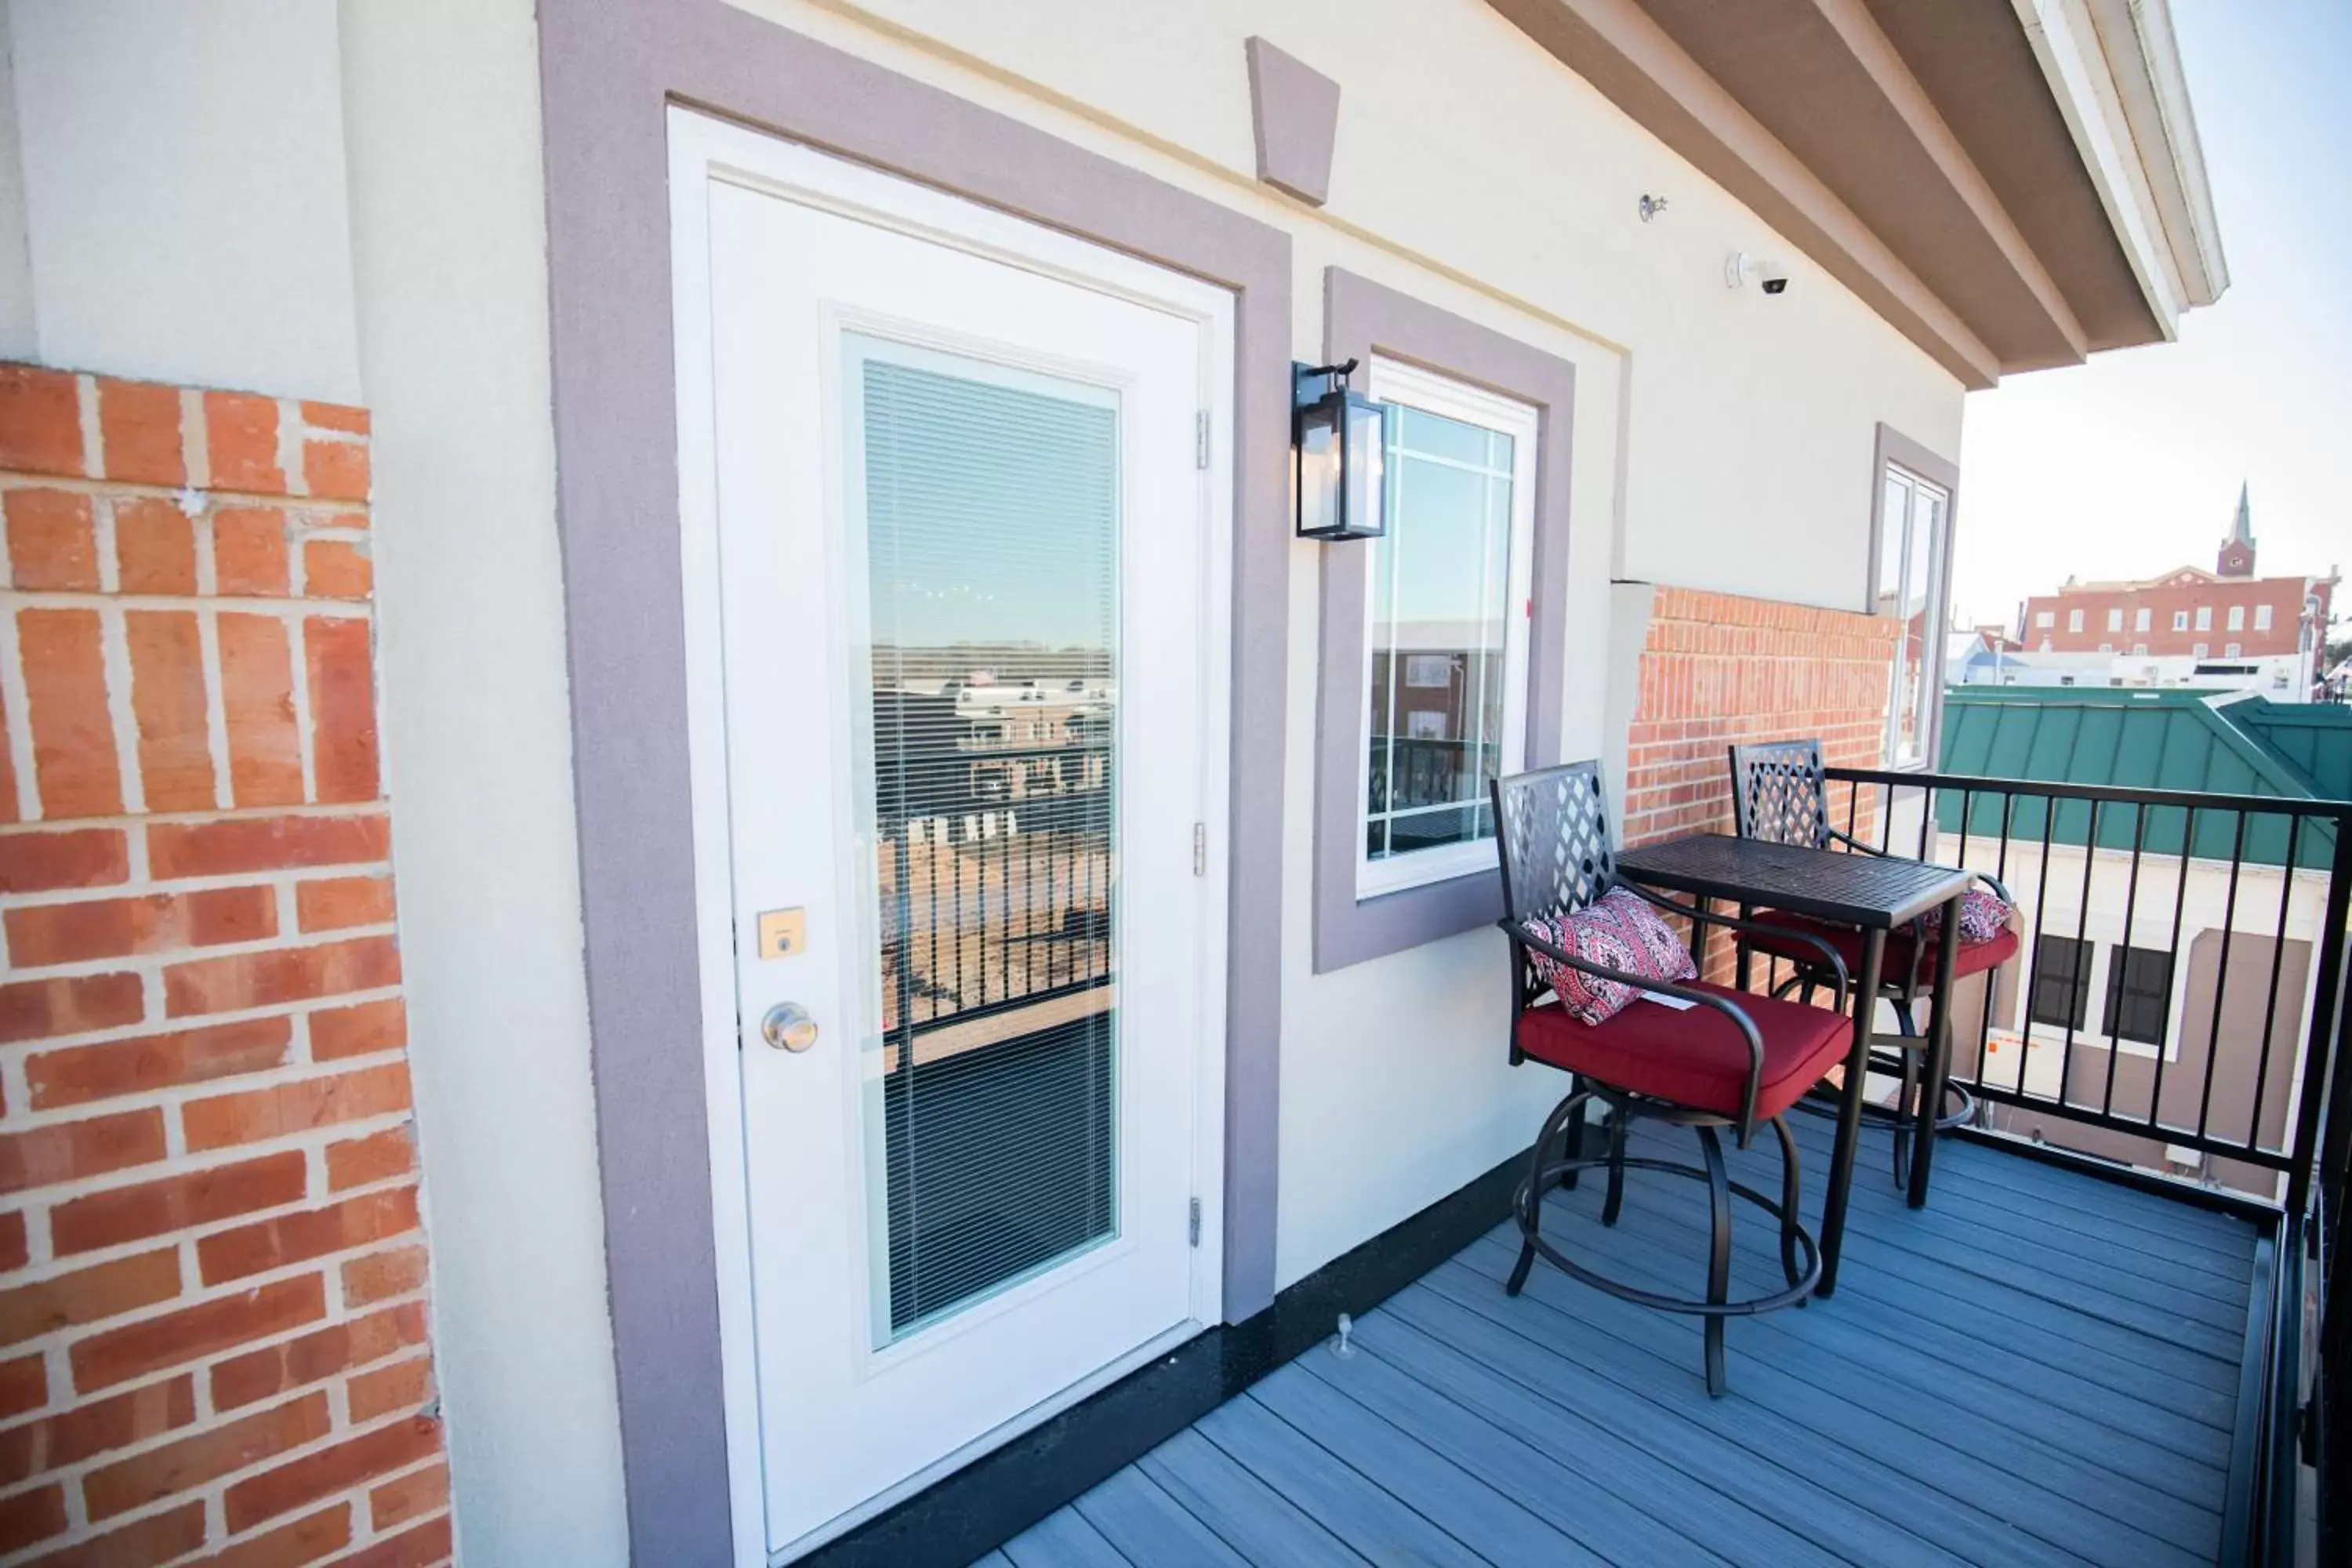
x=1441 y=637
x=1427 y=670
x=1909 y=572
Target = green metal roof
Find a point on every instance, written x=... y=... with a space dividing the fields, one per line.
x=2314 y=742
x=2147 y=739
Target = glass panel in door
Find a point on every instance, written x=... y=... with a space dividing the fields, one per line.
x=989 y=515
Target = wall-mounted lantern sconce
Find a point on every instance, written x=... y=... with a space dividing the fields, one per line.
x=1338 y=439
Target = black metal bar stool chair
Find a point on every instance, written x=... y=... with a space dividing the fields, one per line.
x=1780 y=794
x=1729 y=1060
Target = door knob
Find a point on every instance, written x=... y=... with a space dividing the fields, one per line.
x=789 y=1027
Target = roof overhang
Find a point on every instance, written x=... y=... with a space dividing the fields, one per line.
x=2013 y=186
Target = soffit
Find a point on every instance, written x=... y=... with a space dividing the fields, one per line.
x=1928 y=168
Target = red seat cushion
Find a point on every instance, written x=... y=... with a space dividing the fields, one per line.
x=1975 y=957
x=1694 y=1057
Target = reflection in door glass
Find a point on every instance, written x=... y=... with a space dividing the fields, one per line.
x=991 y=514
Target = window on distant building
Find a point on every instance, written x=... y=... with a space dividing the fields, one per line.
x=2106 y=648
x=2204 y=617
x=2045 y=644
x=2232 y=650
x=1907 y=583
x=2139 y=621
x=2073 y=620
x=2045 y=618
x=2237 y=618
x=2139 y=993
x=2061 y=982
x=2139 y=650
x=2115 y=620
x=2262 y=617
x=2196 y=650
x=2180 y=620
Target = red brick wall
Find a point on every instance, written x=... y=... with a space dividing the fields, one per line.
x=1718 y=670
x=212 y=1313
x=2162 y=599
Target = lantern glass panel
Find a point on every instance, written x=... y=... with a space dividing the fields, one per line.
x=1316 y=468
x=1367 y=458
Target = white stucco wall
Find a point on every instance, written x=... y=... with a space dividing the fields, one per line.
x=353 y=206
x=449 y=239
x=346 y=204
x=1732 y=434
x=184 y=191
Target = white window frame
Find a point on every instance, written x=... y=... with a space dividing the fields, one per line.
x=2197 y=650
x=2180 y=620
x=2045 y=618
x=2073 y=620
x=1931 y=641
x=2237 y=618
x=2233 y=650
x=1392 y=380
x=2262 y=617
x=2204 y=617
x=2115 y=620
x=2139 y=620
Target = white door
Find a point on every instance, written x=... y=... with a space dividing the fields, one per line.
x=967 y=558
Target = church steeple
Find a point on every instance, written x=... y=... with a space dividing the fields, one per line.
x=2238 y=550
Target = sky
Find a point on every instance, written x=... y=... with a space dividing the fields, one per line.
x=2131 y=464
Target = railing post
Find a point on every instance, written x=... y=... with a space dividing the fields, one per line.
x=2321 y=1038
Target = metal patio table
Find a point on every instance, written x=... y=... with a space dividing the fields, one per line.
x=1872 y=893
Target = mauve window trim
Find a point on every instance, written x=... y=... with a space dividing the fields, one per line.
x=1361 y=318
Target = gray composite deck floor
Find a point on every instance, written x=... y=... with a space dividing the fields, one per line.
x=2040 y=1368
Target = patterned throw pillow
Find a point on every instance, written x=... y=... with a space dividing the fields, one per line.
x=1983 y=916
x=1621 y=932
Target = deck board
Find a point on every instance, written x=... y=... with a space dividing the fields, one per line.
x=2039 y=1369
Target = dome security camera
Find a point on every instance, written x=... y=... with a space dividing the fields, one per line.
x=1739 y=266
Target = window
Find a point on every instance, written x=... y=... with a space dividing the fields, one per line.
x=2139 y=993
x=2073 y=620
x=1446 y=627
x=2043 y=618
x=2045 y=644
x=2106 y=648
x=2061 y=982
x=1910 y=574
x=2115 y=620
x=2180 y=620
x=2232 y=650
x=2237 y=618
x=2204 y=617
x=1482 y=433
x=2262 y=617
x=2196 y=650
x=2139 y=620
x=2139 y=649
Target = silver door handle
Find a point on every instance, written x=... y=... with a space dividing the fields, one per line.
x=789 y=1027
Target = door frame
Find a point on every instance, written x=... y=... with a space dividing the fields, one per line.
x=702 y=150
x=609 y=71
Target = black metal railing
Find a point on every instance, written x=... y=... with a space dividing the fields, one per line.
x=996 y=873
x=2179 y=1003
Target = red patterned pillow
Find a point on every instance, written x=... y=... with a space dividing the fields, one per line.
x=1620 y=931
x=1983 y=916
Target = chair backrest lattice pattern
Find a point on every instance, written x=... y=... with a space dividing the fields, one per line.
x=1552 y=827
x=1778 y=794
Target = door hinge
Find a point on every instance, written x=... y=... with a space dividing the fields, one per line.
x=1194 y=1228
x=1200 y=849
x=1200 y=439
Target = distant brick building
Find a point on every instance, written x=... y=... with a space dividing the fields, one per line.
x=2227 y=612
